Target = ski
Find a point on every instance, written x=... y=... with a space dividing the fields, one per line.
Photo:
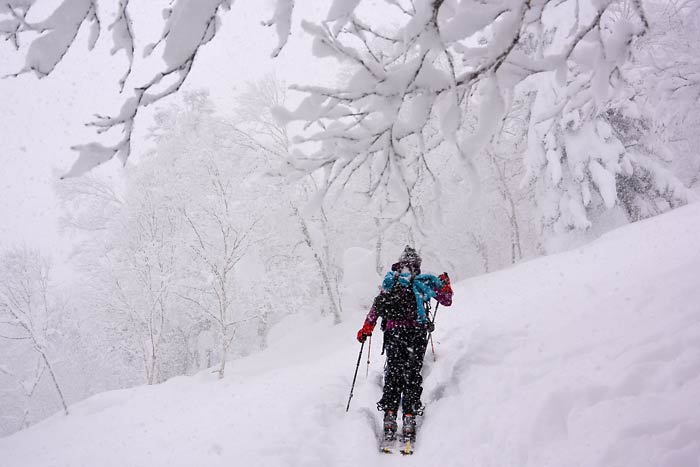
x=405 y=447
x=388 y=439
x=408 y=437
x=392 y=442
x=388 y=446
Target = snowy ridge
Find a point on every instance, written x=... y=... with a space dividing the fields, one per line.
x=590 y=358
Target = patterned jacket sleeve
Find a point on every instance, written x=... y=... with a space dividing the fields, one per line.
x=372 y=316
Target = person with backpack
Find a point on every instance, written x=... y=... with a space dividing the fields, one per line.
x=402 y=304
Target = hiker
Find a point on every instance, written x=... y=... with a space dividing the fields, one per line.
x=402 y=306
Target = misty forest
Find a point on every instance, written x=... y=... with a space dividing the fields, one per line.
x=227 y=182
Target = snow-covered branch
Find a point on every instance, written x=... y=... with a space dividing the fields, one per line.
x=426 y=76
x=123 y=38
x=56 y=33
x=445 y=62
x=189 y=25
x=282 y=20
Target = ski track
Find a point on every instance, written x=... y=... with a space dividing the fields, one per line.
x=587 y=358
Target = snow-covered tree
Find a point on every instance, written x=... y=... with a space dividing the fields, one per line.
x=142 y=272
x=415 y=65
x=665 y=77
x=90 y=203
x=261 y=132
x=152 y=252
x=666 y=66
x=448 y=60
x=222 y=233
x=232 y=213
x=27 y=318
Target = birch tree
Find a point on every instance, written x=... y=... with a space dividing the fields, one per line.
x=219 y=214
x=261 y=132
x=26 y=312
x=142 y=271
x=221 y=234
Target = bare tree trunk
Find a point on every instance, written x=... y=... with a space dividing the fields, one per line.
x=223 y=306
x=24 y=423
x=55 y=381
x=224 y=352
x=322 y=268
x=263 y=327
x=152 y=377
x=378 y=249
x=695 y=179
x=482 y=249
x=515 y=248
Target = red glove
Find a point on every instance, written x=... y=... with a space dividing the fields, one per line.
x=364 y=332
x=446 y=288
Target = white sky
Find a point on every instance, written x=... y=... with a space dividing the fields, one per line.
x=41 y=119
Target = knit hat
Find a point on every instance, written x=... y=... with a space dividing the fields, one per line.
x=410 y=256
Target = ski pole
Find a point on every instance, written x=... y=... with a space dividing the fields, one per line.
x=352 y=388
x=432 y=347
x=369 y=351
x=430 y=334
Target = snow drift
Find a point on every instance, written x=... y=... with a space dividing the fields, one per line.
x=586 y=358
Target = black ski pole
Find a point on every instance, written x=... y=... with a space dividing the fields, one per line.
x=430 y=334
x=352 y=388
x=369 y=351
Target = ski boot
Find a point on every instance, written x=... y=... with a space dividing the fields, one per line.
x=390 y=428
x=409 y=433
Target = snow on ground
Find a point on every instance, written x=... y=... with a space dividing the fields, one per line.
x=587 y=358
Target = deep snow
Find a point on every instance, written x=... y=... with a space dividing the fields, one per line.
x=586 y=358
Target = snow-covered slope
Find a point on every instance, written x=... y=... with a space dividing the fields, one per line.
x=587 y=358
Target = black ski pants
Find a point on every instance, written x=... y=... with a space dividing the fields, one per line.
x=405 y=349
